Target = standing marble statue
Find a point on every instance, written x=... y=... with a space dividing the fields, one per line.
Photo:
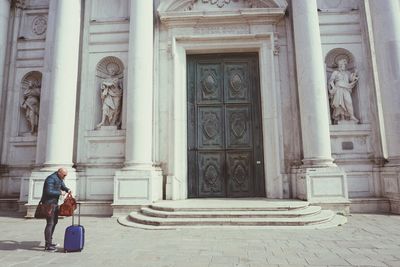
x=31 y=104
x=341 y=84
x=111 y=97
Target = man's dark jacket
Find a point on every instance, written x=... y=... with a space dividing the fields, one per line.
x=52 y=189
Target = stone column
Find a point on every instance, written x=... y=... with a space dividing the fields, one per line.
x=139 y=130
x=386 y=35
x=62 y=108
x=386 y=26
x=4 y=18
x=318 y=167
x=62 y=99
x=139 y=182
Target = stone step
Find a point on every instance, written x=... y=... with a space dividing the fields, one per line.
x=195 y=213
x=310 y=210
x=337 y=220
x=323 y=216
x=195 y=205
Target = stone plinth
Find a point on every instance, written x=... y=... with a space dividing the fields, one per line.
x=326 y=186
x=133 y=188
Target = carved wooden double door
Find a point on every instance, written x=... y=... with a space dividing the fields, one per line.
x=225 y=150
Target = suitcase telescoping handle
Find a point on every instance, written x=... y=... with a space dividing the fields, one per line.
x=79 y=214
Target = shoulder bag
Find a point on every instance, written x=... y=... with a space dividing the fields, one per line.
x=43 y=211
x=68 y=207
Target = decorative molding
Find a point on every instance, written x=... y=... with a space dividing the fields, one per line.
x=334 y=55
x=18 y=3
x=277 y=48
x=39 y=25
x=218 y=3
x=104 y=66
x=190 y=5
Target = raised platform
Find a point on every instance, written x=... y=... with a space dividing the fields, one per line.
x=9 y=204
x=90 y=208
x=232 y=213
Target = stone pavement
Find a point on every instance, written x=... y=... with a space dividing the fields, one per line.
x=366 y=240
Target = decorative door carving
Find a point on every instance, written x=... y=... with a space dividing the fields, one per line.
x=225 y=151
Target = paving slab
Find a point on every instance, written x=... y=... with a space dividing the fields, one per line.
x=366 y=240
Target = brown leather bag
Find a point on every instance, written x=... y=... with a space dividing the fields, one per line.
x=43 y=211
x=68 y=207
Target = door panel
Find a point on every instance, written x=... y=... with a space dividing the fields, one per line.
x=209 y=83
x=239 y=171
x=211 y=174
x=238 y=127
x=236 y=81
x=225 y=151
x=210 y=130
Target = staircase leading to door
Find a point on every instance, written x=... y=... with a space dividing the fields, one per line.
x=193 y=213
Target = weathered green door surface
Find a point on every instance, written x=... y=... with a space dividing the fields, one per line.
x=225 y=151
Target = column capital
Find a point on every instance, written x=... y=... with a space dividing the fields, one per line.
x=18 y=3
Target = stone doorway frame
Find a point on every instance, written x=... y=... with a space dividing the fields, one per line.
x=263 y=44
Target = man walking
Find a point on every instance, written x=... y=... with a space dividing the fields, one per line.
x=52 y=189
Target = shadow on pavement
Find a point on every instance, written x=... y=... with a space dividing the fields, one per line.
x=25 y=245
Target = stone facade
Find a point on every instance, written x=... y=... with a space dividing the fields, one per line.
x=113 y=97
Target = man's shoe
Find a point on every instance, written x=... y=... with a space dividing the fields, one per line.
x=50 y=249
x=55 y=245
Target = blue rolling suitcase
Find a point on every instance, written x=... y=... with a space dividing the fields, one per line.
x=74 y=237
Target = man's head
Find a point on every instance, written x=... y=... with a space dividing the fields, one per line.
x=62 y=172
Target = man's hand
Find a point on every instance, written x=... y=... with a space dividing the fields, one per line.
x=62 y=192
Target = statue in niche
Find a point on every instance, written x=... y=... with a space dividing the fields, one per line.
x=31 y=104
x=111 y=97
x=341 y=84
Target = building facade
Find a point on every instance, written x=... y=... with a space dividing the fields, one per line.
x=174 y=99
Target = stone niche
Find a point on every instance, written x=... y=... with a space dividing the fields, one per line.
x=105 y=142
x=24 y=125
x=342 y=86
x=109 y=84
x=350 y=135
x=30 y=103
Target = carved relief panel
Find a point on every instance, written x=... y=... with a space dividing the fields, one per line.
x=209 y=83
x=210 y=130
x=211 y=174
x=33 y=25
x=240 y=173
x=238 y=127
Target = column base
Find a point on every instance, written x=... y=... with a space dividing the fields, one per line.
x=325 y=186
x=173 y=188
x=136 y=187
x=390 y=176
x=36 y=181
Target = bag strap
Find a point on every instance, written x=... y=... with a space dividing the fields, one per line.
x=69 y=195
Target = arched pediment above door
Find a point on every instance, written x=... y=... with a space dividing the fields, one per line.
x=171 y=10
x=204 y=5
